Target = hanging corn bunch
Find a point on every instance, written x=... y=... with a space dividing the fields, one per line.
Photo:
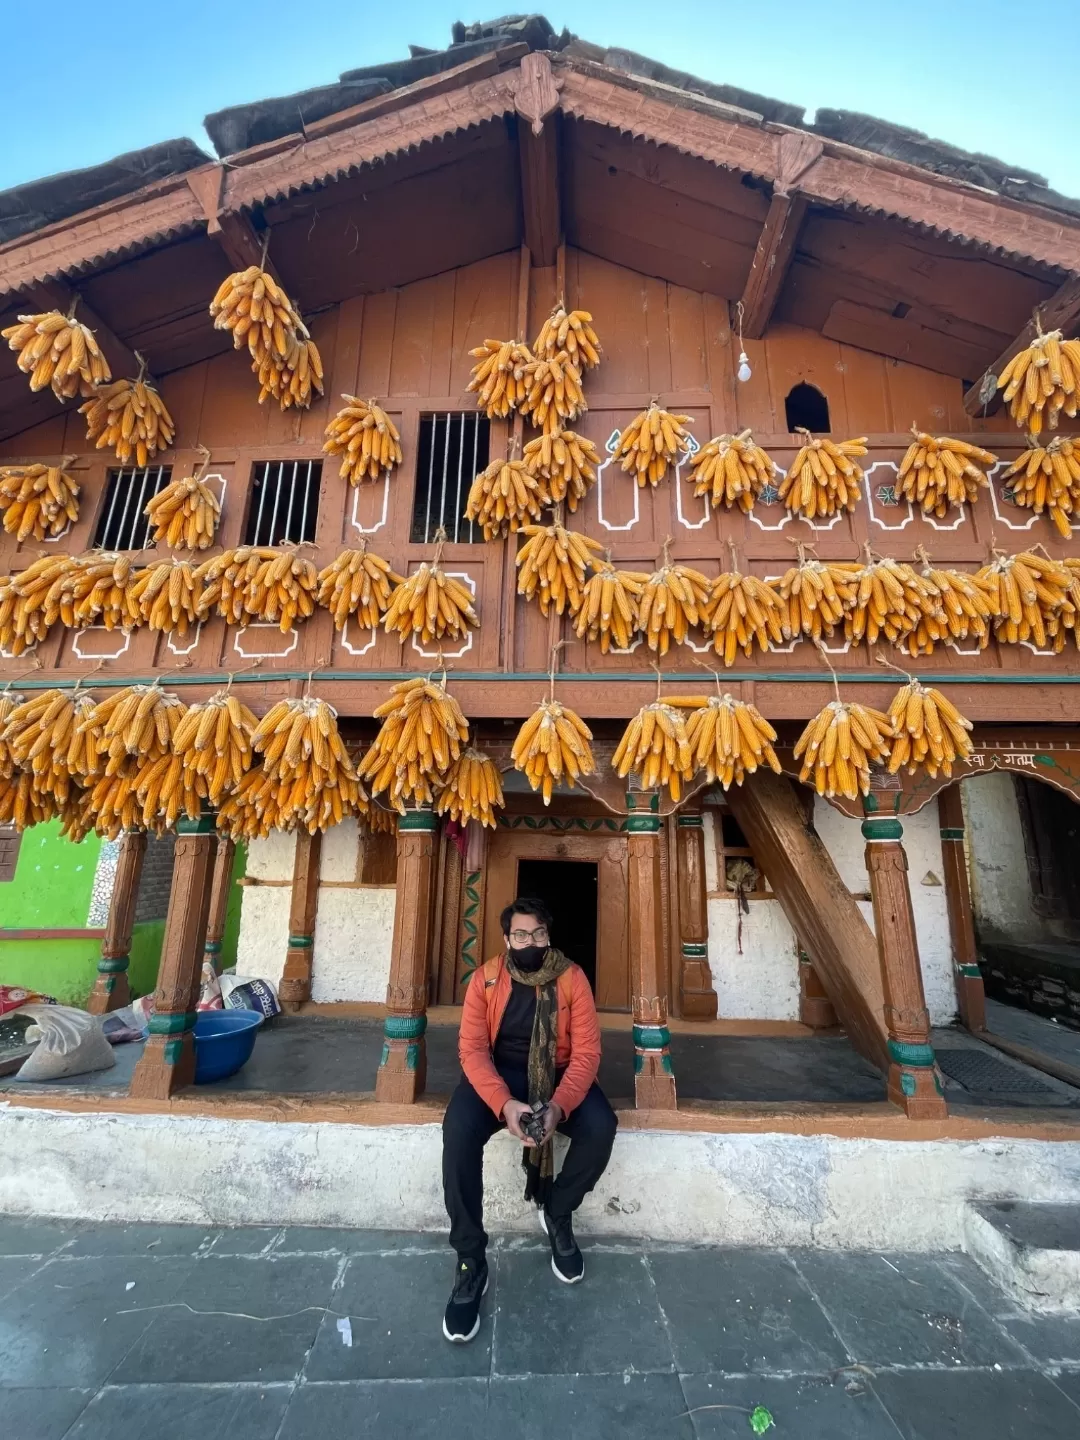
x=251 y=811
x=472 y=790
x=43 y=736
x=185 y=513
x=891 y=600
x=57 y=350
x=817 y=595
x=728 y=738
x=553 y=393
x=365 y=437
x=840 y=744
x=303 y=753
x=129 y=416
x=731 y=470
x=38 y=502
x=23 y=619
x=357 y=585
x=22 y=804
x=1027 y=593
x=1068 y=617
x=553 y=745
x=95 y=589
x=824 y=477
x=381 y=822
x=256 y=582
x=930 y=732
x=609 y=606
x=114 y=804
x=167 y=596
x=937 y=472
x=743 y=612
x=136 y=723
x=565 y=465
x=656 y=747
x=651 y=442
x=421 y=736
x=1042 y=381
x=1046 y=478
x=214 y=742
x=76 y=817
x=674 y=600
x=429 y=604
x=504 y=497
x=253 y=307
x=9 y=702
x=552 y=564
x=166 y=787
x=571 y=334
x=963 y=609
x=499 y=377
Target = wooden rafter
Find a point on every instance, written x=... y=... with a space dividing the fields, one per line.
x=796 y=155
x=1061 y=312
x=536 y=100
x=232 y=229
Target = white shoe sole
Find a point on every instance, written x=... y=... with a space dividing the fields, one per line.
x=566 y=1279
x=464 y=1339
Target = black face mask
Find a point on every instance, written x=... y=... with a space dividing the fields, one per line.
x=530 y=957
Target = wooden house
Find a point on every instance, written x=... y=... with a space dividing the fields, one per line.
x=746 y=267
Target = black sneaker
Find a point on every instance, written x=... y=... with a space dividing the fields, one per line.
x=462 y=1318
x=567 y=1260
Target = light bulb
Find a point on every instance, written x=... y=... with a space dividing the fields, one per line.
x=744 y=372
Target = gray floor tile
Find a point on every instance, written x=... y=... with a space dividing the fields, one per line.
x=184 y=1412
x=245 y=1240
x=803 y=1407
x=34 y=1237
x=1069 y=1381
x=395 y=1304
x=65 y=1328
x=156 y=1240
x=15 y=1270
x=220 y=1341
x=318 y=1239
x=990 y=1405
x=1051 y=1339
x=389 y=1410
x=601 y=1407
x=740 y=1312
x=904 y=1309
x=608 y=1323
x=40 y=1414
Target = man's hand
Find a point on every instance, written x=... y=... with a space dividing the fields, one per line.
x=512 y=1111
x=552 y=1116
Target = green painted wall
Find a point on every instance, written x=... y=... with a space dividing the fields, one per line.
x=53 y=881
x=231 y=937
x=64 y=969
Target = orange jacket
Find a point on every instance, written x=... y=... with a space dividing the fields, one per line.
x=577 y=1035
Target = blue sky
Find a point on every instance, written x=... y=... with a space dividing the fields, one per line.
x=141 y=72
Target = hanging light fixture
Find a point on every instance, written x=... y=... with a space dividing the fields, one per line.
x=744 y=372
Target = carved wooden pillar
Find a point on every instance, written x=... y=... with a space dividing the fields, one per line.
x=219 y=900
x=970 y=994
x=654 y=1080
x=697 y=995
x=168 y=1062
x=815 y=1007
x=111 y=990
x=403 y=1067
x=914 y=1081
x=295 y=985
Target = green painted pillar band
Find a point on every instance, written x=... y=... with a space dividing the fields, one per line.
x=642 y=824
x=425 y=820
x=665 y=1063
x=950 y=832
x=880 y=828
x=205 y=823
x=651 y=1037
x=212 y=947
x=905 y=1053
x=689 y=822
x=115 y=966
x=693 y=950
x=404 y=1027
x=172 y=1024
x=971 y=972
x=643 y=802
x=300 y=942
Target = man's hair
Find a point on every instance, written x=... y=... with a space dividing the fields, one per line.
x=525 y=906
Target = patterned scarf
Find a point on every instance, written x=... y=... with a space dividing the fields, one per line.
x=538 y=1162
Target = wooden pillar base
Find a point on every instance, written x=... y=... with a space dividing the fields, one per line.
x=168 y=1061
x=697 y=996
x=915 y=1082
x=402 y=1075
x=112 y=990
x=295 y=987
x=815 y=1007
x=654 y=1080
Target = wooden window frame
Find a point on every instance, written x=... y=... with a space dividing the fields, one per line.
x=288 y=482
x=10 y=845
x=444 y=473
x=142 y=482
x=724 y=853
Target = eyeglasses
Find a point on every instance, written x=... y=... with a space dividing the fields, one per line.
x=527 y=937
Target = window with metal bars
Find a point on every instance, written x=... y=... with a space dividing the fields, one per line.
x=284 y=502
x=122 y=524
x=451 y=451
x=10 y=840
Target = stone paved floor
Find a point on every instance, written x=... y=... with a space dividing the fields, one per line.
x=184 y=1333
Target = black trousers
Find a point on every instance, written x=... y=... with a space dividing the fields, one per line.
x=469 y=1124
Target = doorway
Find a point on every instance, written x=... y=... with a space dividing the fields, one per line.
x=569 y=889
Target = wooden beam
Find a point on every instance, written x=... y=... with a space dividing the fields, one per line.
x=772 y=260
x=902 y=339
x=541 y=205
x=232 y=229
x=58 y=294
x=1061 y=312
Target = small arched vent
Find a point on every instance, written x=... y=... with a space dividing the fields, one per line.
x=806 y=408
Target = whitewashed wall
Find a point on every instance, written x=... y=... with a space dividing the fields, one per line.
x=353 y=928
x=997 y=861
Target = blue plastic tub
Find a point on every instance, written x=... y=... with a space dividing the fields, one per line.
x=224 y=1040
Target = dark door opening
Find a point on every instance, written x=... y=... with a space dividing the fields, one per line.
x=569 y=889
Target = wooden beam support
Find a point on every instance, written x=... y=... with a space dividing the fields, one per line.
x=654 y=1080
x=1061 y=312
x=111 y=990
x=815 y=1008
x=295 y=985
x=541 y=206
x=232 y=229
x=402 y=1073
x=220 y=887
x=970 y=992
x=58 y=294
x=697 y=996
x=883 y=333
x=772 y=260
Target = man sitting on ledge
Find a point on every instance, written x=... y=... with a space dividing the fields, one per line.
x=530 y=1049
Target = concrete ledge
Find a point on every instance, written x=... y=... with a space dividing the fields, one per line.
x=1030 y=1250
x=738 y=1189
